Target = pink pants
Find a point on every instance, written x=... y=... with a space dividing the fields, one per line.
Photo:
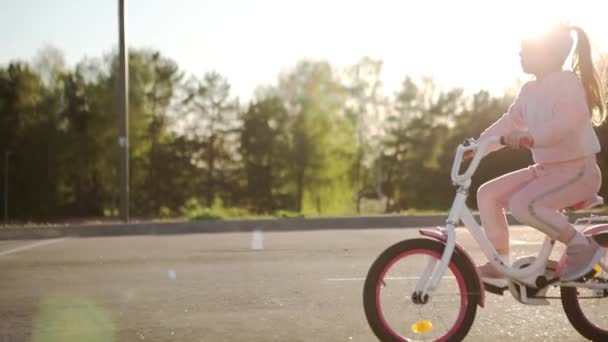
x=535 y=195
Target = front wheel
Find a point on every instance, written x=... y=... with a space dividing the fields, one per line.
x=587 y=309
x=396 y=312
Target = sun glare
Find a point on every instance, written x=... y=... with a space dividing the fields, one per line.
x=484 y=40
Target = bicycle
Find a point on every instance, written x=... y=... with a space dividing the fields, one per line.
x=439 y=259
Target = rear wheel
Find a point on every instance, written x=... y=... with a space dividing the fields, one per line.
x=587 y=309
x=396 y=312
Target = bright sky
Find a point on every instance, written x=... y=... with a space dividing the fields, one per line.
x=470 y=43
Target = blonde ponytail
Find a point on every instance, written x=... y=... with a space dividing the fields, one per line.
x=582 y=64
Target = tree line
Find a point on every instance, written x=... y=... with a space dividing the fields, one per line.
x=321 y=141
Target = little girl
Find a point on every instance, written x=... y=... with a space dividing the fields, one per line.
x=553 y=116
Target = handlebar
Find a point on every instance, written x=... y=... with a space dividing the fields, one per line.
x=480 y=149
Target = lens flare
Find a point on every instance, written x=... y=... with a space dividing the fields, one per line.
x=68 y=318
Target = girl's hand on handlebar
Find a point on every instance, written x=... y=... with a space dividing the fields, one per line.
x=517 y=139
x=468 y=155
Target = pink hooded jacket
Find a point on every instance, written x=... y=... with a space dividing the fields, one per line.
x=554 y=111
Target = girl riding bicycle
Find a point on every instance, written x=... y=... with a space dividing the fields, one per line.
x=553 y=115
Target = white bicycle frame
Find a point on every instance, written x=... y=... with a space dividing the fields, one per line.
x=460 y=212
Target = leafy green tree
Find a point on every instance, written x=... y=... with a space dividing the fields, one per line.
x=416 y=131
x=26 y=130
x=365 y=106
x=264 y=150
x=162 y=81
x=211 y=121
x=321 y=138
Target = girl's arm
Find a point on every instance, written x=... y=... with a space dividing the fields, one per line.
x=512 y=120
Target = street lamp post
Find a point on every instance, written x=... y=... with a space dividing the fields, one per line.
x=123 y=112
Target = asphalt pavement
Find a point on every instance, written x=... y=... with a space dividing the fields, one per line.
x=242 y=286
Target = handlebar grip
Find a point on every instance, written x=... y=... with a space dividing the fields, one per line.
x=524 y=142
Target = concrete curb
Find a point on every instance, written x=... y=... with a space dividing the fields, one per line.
x=192 y=227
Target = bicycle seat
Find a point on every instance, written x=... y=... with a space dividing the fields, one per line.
x=587 y=204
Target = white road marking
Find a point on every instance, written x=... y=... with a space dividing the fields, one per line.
x=32 y=246
x=257 y=240
x=387 y=278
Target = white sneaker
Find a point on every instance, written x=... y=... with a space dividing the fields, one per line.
x=490 y=276
x=580 y=259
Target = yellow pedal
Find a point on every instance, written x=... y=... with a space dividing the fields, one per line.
x=422 y=327
x=598 y=269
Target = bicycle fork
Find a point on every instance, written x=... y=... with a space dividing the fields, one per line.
x=430 y=278
x=432 y=274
